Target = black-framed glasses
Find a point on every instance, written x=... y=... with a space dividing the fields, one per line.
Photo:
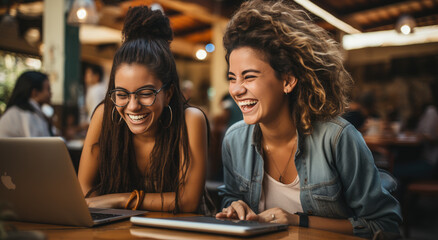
x=145 y=96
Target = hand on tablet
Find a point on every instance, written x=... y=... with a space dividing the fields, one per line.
x=238 y=210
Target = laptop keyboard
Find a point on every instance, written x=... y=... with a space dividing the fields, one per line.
x=99 y=216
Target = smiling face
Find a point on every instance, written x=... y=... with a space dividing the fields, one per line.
x=140 y=119
x=255 y=87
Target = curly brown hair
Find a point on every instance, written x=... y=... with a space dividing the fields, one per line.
x=292 y=44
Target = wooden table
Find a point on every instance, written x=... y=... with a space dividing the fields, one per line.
x=392 y=147
x=126 y=230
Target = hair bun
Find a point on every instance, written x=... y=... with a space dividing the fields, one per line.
x=142 y=22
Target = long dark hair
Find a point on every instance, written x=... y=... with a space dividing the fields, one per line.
x=147 y=35
x=26 y=83
x=293 y=45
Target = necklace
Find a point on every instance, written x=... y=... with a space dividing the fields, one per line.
x=280 y=179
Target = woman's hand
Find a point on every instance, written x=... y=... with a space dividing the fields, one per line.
x=278 y=215
x=238 y=210
x=116 y=200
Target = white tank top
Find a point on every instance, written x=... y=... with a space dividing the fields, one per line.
x=277 y=194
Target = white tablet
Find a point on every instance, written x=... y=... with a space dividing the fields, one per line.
x=210 y=225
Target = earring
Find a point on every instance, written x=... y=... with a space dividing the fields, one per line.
x=171 y=117
x=112 y=115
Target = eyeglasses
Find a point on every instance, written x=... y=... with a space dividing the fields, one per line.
x=145 y=96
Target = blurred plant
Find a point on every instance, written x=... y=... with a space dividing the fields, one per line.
x=5 y=93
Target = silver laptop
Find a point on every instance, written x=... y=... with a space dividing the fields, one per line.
x=39 y=184
x=210 y=225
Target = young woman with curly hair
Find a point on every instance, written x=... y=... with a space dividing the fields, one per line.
x=293 y=153
x=144 y=136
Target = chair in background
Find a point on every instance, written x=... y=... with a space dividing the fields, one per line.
x=414 y=191
x=212 y=189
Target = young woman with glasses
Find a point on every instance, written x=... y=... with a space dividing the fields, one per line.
x=294 y=160
x=145 y=148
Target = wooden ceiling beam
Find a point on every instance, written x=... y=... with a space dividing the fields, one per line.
x=390 y=23
x=369 y=6
x=323 y=4
x=386 y=23
x=193 y=10
x=363 y=10
x=192 y=30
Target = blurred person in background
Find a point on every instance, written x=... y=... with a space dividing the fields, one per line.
x=95 y=87
x=229 y=115
x=231 y=112
x=77 y=123
x=187 y=89
x=422 y=163
x=427 y=127
x=24 y=116
x=359 y=110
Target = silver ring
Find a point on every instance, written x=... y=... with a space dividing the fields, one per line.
x=273 y=216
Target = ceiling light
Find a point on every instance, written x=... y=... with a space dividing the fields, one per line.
x=313 y=8
x=32 y=36
x=209 y=47
x=405 y=25
x=157 y=6
x=201 y=54
x=83 y=11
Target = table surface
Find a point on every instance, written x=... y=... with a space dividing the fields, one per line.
x=126 y=230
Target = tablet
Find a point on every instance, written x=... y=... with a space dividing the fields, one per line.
x=211 y=225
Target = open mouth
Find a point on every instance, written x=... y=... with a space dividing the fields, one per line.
x=247 y=105
x=138 y=117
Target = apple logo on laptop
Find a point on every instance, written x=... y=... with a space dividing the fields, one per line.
x=7 y=181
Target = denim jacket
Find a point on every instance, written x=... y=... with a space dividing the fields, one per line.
x=338 y=177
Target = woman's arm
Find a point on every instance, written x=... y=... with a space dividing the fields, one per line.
x=194 y=182
x=89 y=164
x=279 y=215
x=241 y=210
x=372 y=206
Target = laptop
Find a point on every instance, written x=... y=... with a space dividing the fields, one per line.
x=39 y=184
x=210 y=225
